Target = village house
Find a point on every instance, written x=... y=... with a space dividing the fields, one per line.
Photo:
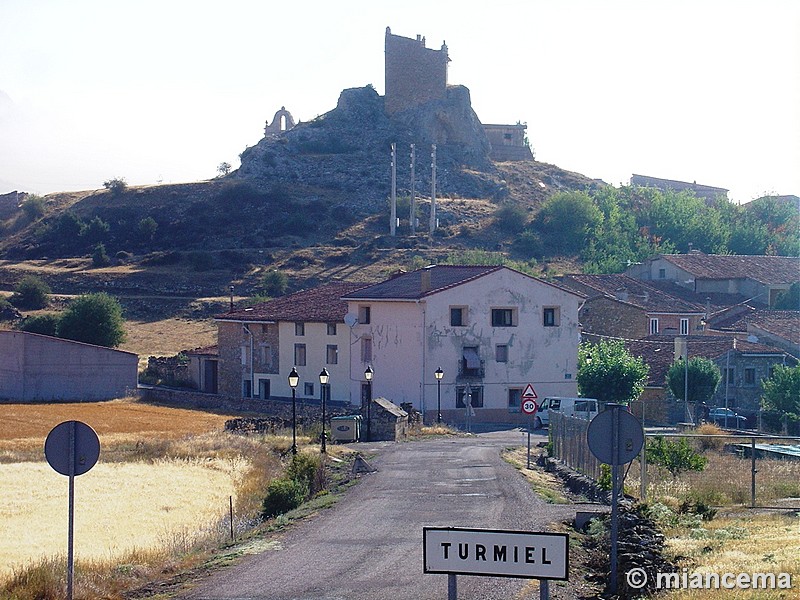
x=621 y=306
x=259 y=345
x=490 y=329
x=754 y=277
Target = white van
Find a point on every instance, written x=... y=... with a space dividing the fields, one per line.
x=583 y=408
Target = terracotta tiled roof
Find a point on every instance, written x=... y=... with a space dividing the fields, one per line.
x=633 y=292
x=764 y=269
x=717 y=301
x=321 y=305
x=781 y=323
x=408 y=286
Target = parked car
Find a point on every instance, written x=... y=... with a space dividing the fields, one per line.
x=583 y=408
x=719 y=415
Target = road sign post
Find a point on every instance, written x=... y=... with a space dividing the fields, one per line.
x=71 y=448
x=529 y=407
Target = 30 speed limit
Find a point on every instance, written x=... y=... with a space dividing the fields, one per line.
x=529 y=406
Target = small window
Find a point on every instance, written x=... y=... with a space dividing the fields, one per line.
x=300 y=355
x=332 y=354
x=507 y=136
x=266 y=355
x=501 y=353
x=476 y=397
x=363 y=315
x=750 y=376
x=684 y=326
x=247 y=388
x=263 y=389
x=653 y=326
x=308 y=389
x=514 y=397
x=244 y=355
x=299 y=328
x=457 y=316
x=366 y=350
x=331 y=328
x=551 y=316
x=502 y=317
x=662 y=273
x=729 y=375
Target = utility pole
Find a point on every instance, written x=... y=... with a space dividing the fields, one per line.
x=393 y=215
x=433 y=189
x=413 y=210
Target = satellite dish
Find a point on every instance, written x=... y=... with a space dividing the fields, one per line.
x=350 y=319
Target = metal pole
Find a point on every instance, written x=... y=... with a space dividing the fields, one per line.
x=452 y=587
x=686 y=382
x=643 y=470
x=325 y=390
x=438 y=400
x=433 y=189
x=393 y=215
x=294 y=422
x=529 y=442
x=369 y=410
x=71 y=517
x=544 y=589
x=727 y=371
x=614 y=497
x=753 y=472
x=230 y=501
x=413 y=209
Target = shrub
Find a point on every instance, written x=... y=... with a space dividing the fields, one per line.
x=31 y=293
x=95 y=231
x=93 y=319
x=33 y=207
x=201 y=261
x=283 y=495
x=99 y=256
x=308 y=469
x=147 y=228
x=274 y=283
x=116 y=186
x=42 y=324
x=511 y=218
x=675 y=457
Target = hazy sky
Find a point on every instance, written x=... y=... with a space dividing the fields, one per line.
x=165 y=90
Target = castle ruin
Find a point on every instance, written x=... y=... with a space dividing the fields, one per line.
x=414 y=74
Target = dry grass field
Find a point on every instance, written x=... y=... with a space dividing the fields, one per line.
x=163 y=479
x=167 y=337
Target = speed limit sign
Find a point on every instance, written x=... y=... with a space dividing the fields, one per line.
x=529 y=406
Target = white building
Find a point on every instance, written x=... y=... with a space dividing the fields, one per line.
x=492 y=330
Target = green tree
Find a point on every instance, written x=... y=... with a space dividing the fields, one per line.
x=31 y=293
x=116 y=186
x=701 y=377
x=147 y=228
x=93 y=319
x=99 y=256
x=608 y=372
x=42 y=324
x=675 y=457
x=510 y=218
x=223 y=168
x=684 y=219
x=781 y=392
x=95 y=231
x=274 y=283
x=33 y=207
x=566 y=220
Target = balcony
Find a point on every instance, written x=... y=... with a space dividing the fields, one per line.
x=470 y=374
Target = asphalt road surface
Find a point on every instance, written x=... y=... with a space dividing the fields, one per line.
x=369 y=545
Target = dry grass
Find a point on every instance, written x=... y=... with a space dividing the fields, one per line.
x=740 y=543
x=548 y=486
x=167 y=337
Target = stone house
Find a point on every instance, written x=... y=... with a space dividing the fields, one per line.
x=203 y=368
x=620 y=306
x=707 y=192
x=492 y=330
x=259 y=345
x=754 y=277
x=44 y=368
x=779 y=328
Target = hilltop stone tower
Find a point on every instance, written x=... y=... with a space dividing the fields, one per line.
x=414 y=74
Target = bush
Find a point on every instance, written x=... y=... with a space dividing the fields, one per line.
x=147 y=228
x=675 y=457
x=31 y=293
x=283 y=495
x=308 y=469
x=116 y=186
x=93 y=319
x=42 y=324
x=511 y=218
x=33 y=207
x=201 y=261
x=95 y=231
x=274 y=283
x=99 y=256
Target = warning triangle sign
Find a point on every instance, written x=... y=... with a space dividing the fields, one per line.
x=529 y=392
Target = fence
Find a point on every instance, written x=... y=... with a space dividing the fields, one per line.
x=747 y=470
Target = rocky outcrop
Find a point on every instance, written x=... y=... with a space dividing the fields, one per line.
x=349 y=149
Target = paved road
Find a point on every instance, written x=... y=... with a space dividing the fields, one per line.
x=369 y=546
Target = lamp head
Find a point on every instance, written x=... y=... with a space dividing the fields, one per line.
x=438 y=373
x=368 y=373
x=323 y=376
x=294 y=378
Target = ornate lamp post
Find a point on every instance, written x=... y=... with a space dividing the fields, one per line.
x=368 y=376
x=323 y=382
x=294 y=379
x=438 y=373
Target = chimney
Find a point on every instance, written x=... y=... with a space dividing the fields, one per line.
x=425 y=281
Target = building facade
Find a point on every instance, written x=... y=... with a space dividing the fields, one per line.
x=491 y=330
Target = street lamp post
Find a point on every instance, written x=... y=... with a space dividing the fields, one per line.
x=323 y=381
x=294 y=379
x=438 y=373
x=368 y=376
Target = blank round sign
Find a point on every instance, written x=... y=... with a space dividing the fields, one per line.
x=86 y=448
x=631 y=437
